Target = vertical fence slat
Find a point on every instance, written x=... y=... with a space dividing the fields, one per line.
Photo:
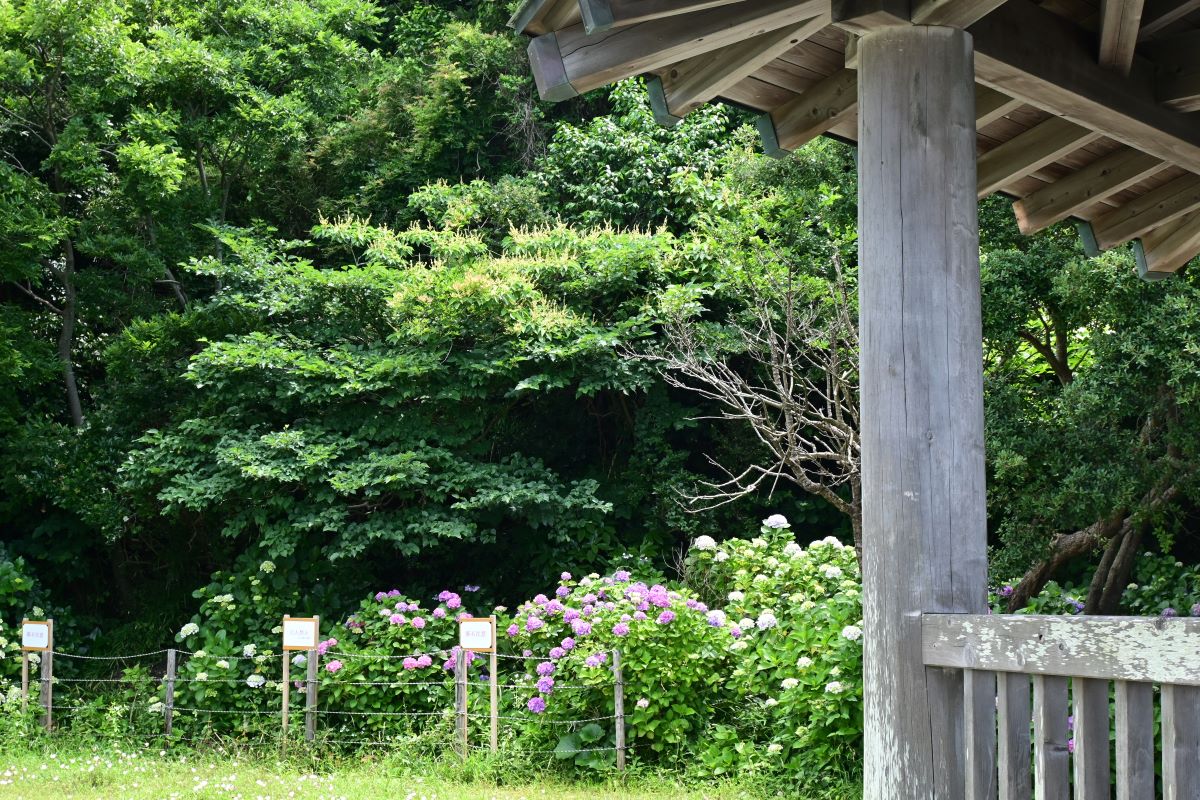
x=1051 y=773
x=310 y=696
x=47 y=686
x=1013 y=755
x=944 y=694
x=287 y=692
x=1181 y=742
x=979 y=725
x=169 y=693
x=24 y=681
x=1093 y=780
x=1135 y=741
x=494 y=690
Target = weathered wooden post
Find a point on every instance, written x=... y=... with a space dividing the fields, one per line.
x=48 y=678
x=310 y=696
x=460 y=700
x=169 y=693
x=494 y=689
x=619 y=708
x=924 y=511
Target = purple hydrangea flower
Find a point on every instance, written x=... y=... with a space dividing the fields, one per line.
x=1070 y=745
x=444 y=595
x=562 y=591
x=566 y=576
x=568 y=643
x=512 y=630
x=454 y=602
x=394 y=593
x=554 y=606
x=621 y=576
x=439 y=613
x=470 y=588
x=589 y=599
x=380 y=597
x=333 y=666
x=1006 y=591
x=545 y=668
x=581 y=628
x=557 y=653
x=735 y=632
x=545 y=684
x=397 y=619
x=639 y=615
x=534 y=623
x=570 y=615
x=665 y=618
x=596 y=659
x=541 y=599
x=536 y=704
x=526 y=653
x=1169 y=612
x=620 y=629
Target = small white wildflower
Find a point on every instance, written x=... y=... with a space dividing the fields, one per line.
x=190 y=629
x=736 y=597
x=835 y=671
x=774 y=748
x=775 y=521
x=852 y=632
x=277 y=629
x=834 y=687
x=249 y=650
x=255 y=681
x=789 y=683
x=267 y=567
x=804 y=662
x=643 y=702
x=704 y=543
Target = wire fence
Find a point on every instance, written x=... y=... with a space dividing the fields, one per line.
x=141 y=702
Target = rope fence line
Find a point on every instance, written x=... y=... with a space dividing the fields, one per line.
x=163 y=707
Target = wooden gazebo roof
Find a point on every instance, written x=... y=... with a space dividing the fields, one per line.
x=1084 y=109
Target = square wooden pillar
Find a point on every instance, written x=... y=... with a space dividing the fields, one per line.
x=924 y=506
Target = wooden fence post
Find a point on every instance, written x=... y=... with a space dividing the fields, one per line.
x=287 y=691
x=310 y=700
x=460 y=699
x=619 y=708
x=169 y=692
x=48 y=679
x=24 y=675
x=494 y=689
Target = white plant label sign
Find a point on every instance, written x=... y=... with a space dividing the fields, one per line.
x=35 y=635
x=477 y=634
x=300 y=633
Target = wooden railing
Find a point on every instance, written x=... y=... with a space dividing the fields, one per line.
x=1014 y=741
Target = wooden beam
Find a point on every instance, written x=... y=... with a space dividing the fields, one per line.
x=690 y=84
x=860 y=17
x=1177 y=70
x=1158 y=15
x=1146 y=212
x=952 y=13
x=1119 y=23
x=1106 y=176
x=569 y=62
x=603 y=15
x=811 y=114
x=1029 y=151
x=1031 y=54
x=924 y=500
x=991 y=105
x=1181 y=93
x=1162 y=251
x=536 y=17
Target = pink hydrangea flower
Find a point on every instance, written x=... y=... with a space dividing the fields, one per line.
x=333 y=666
x=409 y=663
x=424 y=661
x=397 y=619
x=621 y=629
x=439 y=613
x=454 y=602
x=418 y=622
x=621 y=576
x=581 y=628
x=665 y=618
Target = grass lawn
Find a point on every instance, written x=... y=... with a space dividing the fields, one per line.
x=125 y=771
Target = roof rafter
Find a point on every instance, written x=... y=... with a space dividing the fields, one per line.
x=1177 y=70
x=1143 y=214
x=1158 y=15
x=1164 y=250
x=1119 y=23
x=570 y=62
x=811 y=114
x=686 y=86
x=603 y=15
x=1029 y=151
x=991 y=105
x=1105 y=176
x=952 y=13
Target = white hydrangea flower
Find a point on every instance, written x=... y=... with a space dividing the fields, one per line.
x=789 y=683
x=267 y=567
x=199 y=654
x=775 y=521
x=835 y=671
x=831 y=571
x=277 y=629
x=249 y=650
x=223 y=598
x=792 y=550
x=772 y=562
x=736 y=597
x=758 y=541
x=774 y=748
x=746 y=624
x=760 y=578
x=255 y=681
x=739 y=645
x=766 y=620
x=191 y=629
x=704 y=543
x=201 y=676
x=300 y=660
x=804 y=662
x=770 y=701
x=834 y=687
x=716 y=618
x=156 y=707
x=720 y=556
x=852 y=632
x=223 y=664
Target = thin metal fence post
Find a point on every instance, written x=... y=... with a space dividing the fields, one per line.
x=169 y=692
x=287 y=692
x=460 y=699
x=619 y=708
x=48 y=679
x=310 y=701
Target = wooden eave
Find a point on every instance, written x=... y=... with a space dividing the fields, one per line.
x=1093 y=98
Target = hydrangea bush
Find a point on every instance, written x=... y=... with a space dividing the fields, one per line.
x=796 y=616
